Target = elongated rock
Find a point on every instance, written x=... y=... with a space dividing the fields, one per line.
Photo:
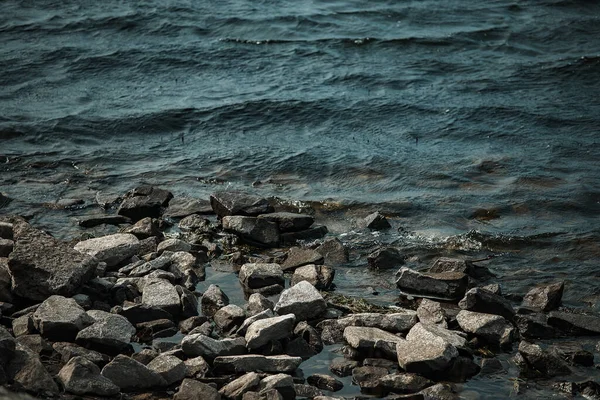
x=258 y=275
x=255 y=362
x=111 y=249
x=237 y=203
x=396 y=322
x=446 y=285
x=82 y=377
x=195 y=345
x=131 y=375
x=263 y=331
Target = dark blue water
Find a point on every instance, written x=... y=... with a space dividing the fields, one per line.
x=474 y=125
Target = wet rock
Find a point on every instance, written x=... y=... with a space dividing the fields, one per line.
x=236 y=389
x=367 y=340
x=171 y=368
x=181 y=207
x=494 y=329
x=542 y=362
x=493 y=288
x=289 y=222
x=307 y=391
x=41 y=266
x=111 y=249
x=60 y=319
x=212 y=300
x=259 y=275
x=491 y=366
x=189 y=302
x=313 y=233
x=575 y=324
x=268 y=313
x=255 y=362
x=143 y=313
x=444 y=264
x=229 y=317
x=333 y=252
x=195 y=223
x=572 y=353
x=396 y=322
x=191 y=389
x=385 y=258
x=6 y=230
x=440 y=391
x=82 y=377
x=544 y=298
x=320 y=276
x=23 y=326
x=266 y=330
x=145 y=228
x=310 y=335
x=110 y=333
x=162 y=294
x=404 y=383
x=6 y=247
x=480 y=300
x=173 y=245
x=255 y=231
x=298 y=256
x=283 y=383
x=535 y=325
x=331 y=331
x=196 y=367
x=258 y=303
x=462 y=369
x=195 y=345
x=368 y=377
x=432 y=313
x=376 y=222
x=103 y=220
x=324 y=382
x=130 y=375
x=237 y=203
x=26 y=370
x=445 y=285
x=303 y=300
x=343 y=367
x=144 y=201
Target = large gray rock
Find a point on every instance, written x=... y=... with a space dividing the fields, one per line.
x=41 y=266
x=544 y=298
x=541 y=362
x=494 y=329
x=144 y=201
x=212 y=300
x=171 y=368
x=256 y=362
x=299 y=256
x=195 y=345
x=319 y=276
x=236 y=203
x=254 y=230
x=110 y=333
x=484 y=301
x=111 y=249
x=575 y=323
x=333 y=251
x=82 y=377
x=162 y=294
x=396 y=322
x=404 y=383
x=26 y=369
x=193 y=390
x=259 y=275
x=60 y=319
x=268 y=313
x=303 y=300
x=266 y=330
x=446 y=285
x=385 y=258
x=235 y=390
x=229 y=317
x=131 y=375
x=180 y=207
x=138 y=313
x=432 y=313
x=196 y=367
x=367 y=340
x=289 y=222
x=258 y=303
x=367 y=377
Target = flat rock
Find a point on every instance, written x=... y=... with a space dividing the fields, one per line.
x=160 y=293
x=268 y=313
x=366 y=340
x=404 y=383
x=110 y=333
x=131 y=375
x=144 y=201
x=171 y=368
x=195 y=345
x=59 y=318
x=333 y=251
x=212 y=300
x=396 y=322
x=325 y=382
x=111 y=249
x=483 y=301
x=229 y=317
x=574 y=323
x=235 y=390
x=298 y=256
x=541 y=361
x=256 y=362
x=446 y=285
x=263 y=331
x=385 y=258
x=236 y=203
x=259 y=275
x=289 y=222
x=91 y=222
x=196 y=367
x=494 y=329
x=544 y=298
x=255 y=231
x=26 y=369
x=80 y=376
x=181 y=207
x=145 y=228
x=191 y=389
x=320 y=276
x=376 y=222
x=303 y=300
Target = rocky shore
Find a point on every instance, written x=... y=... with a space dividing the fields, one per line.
x=120 y=315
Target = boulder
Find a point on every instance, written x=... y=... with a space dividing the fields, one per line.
x=160 y=293
x=144 y=201
x=195 y=345
x=298 y=256
x=258 y=303
x=320 y=276
x=574 y=323
x=111 y=249
x=171 y=368
x=404 y=383
x=367 y=340
x=283 y=383
x=236 y=203
x=494 y=329
x=173 y=245
x=212 y=300
x=145 y=228
x=303 y=300
x=256 y=362
x=535 y=325
x=396 y=322
x=312 y=233
x=81 y=376
x=229 y=317
x=195 y=223
x=544 y=298
x=110 y=333
x=259 y=275
x=268 y=313
x=181 y=207
x=445 y=285
x=325 y=382
x=376 y=222
x=26 y=369
x=367 y=377
x=263 y=331
x=542 y=362
x=333 y=252
x=60 y=319
x=235 y=390
x=432 y=313
x=289 y=222
x=37 y=343
x=193 y=390
x=445 y=264
x=196 y=367
x=131 y=375
x=255 y=231
x=385 y=258
x=23 y=325
x=70 y=350
x=483 y=301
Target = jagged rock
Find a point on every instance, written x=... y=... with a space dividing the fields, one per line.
x=6 y=230
x=480 y=300
x=303 y=300
x=396 y=322
x=69 y=350
x=313 y=233
x=41 y=266
x=171 y=368
x=404 y=383
x=145 y=228
x=342 y=367
x=333 y=252
x=212 y=300
x=193 y=390
x=445 y=285
x=183 y=262
x=309 y=334
x=111 y=249
x=376 y=222
x=173 y=245
x=7 y=346
x=188 y=301
x=307 y=391
x=431 y=313
x=366 y=340
x=196 y=367
x=23 y=326
x=36 y=343
x=544 y=298
x=298 y=256
x=236 y=389
x=324 y=382
x=110 y=333
x=229 y=317
x=534 y=325
x=255 y=362
x=493 y=288
x=331 y=331
x=59 y=318
x=91 y=222
x=258 y=303
x=237 y=203
x=289 y=222
x=575 y=324
x=283 y=383
x=268 y=313
x=82 y=377
x=254 y=230
x=143 y=313
x=190 y=323
x=26 y=369
x=572 y=353
x=263 y=331
x=385 y=258
x=145 y=356
x=543 y=362
x=195 y=345
x=367 y=377
x=162 y=294
x=494 y=329
x=320 y=276
x=130 y=375
x=259 y=275
x=144 y=201
x=181 y=207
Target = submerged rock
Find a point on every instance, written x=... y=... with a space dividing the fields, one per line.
x=289 y=222
x=237 y=203
x=445 y=285
x=255 y=362
x=376 y=222
x=385 y=258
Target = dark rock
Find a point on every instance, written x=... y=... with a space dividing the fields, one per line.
x=60 y=319
x=181 y=207
x=259 y=275
x=542 y=362
x=306 y=391
x=482 y=301
x=572 y=353
x=544 y=298
x=212 y=300
x=404 y=383
x=342 y=367
x=144 y=201
x=440 y=391
x=130 y=375
x=298 y=256
x=195 y=223
x=6 y=230
x=111 y=249
x=229 y=317
x=310 y=335
x=196 y=367
x=255 y=362
x=143 y=313
x=23 y=326
x=376 y=222
x=190 y=323
x=237 y=203
x=289 y=222
x=444 y=264
x=171 y=368
x=161 y=294
x=575 y=324
x=316 y=232
x=110 y=333
x=368 y=377
x=91 y=222
x=70 y=350
x=36 y=343
x=5 y=282
x=462 y=369
x=397 y=322
x=191 y=389
x=491 y=366
x=82 y=377
x=432 y=313
x=145 y=228
x=325 y=382
x=145 y=356
x=258 y=303
x=494 y=329
x=263 y=331
x=6 y=247
x=445 y=285
x=7 y=346
x=173 y=245
x=26 y=370
x=255 y=231
x=302 y=300
x=236 y=389
x=535 y=325
x=195 y=345
x=333 y=252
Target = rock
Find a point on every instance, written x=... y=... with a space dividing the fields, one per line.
x=6 y=247
x=229 y=317
x=462 y=369
x=145 y=356
x=145 y=228
x=444 y=264
x=283 y=383
x=190 y=323
x=195 y=345
x=259 y=275
x=303 y=300
x=446 y=285
x=111 y=249
x=130 y=375
x=110 y=333
x=331 y=331
x=307 y=391
x=535 y=325
x=196 y=367
x=6 y=230
x=68 y=351
x=385 y=258
x=333 y=252
x=144 y=201
x=255 y=362
x=193 y=390
x=7 y=346
x=173 y=245
x=268 y=313
x=41 y=266
x=376 y=222
x=181 y=207
x=572 y=353
x=80 y=376
x=298 y=256
x=36 y=343
x=59 y=318
x=396 y=322
x=320 y=276
x=543 y=362
x=480 y=300
x=143 y=313
x=289 y=222
x=195 y=223
x=325 y=382
x=91 y=222
x=26 y=370
x=440 y=391
x=23 y=326
x=171 y=368
x=5 y=282
x=431 y=313
x=162 y=294
x=367 y=340
x=309 y=334
x=258 y=303
x=313 y=233
x=494 y=288
x=575 y=324
x=255 y=231
x=263 y=331
x=212 y=300
x=237 y=203
x=544 y=298
x=236 y=389
x=367 y=377
x=404 y=383
x=342 y=367
x=491 y=366
x=494 y=329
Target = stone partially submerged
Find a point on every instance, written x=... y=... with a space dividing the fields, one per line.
x=494 y=329
x=445 y=285
x=256 y=362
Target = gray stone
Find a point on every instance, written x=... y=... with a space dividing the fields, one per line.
x=196 y=367
x=36 y=343
x=574 y=323
x=258 y=303
x=193 y=390
x=376 y=222
x=307 y=391
x=289 y=222
x=144 y=201
x=212 y=300
x=298 y=256
x=367 y=340
x=283 y=383
x=23 y=325
x=480 y=300
x=255 y=231
x=195 y=345
x=236 y=203
x=256 y=362
x=5 y=282
x=111 y=249
x=145 y=356
x=333 y=252
x=80 y=376
x=385 y=258
x=494 y=329
x=368 y=377
x=325 y=382
x=266 y=330
x=59 y=318
x=6 y=230
x=543 y=362
x=236 y=389
x=544 y=298
x=70 y=350
x=162 y=294
x=535 y=325
x=229 y=317
x=404 y=383
x=268 y=313
x=145 y=228
x=440 y=391
x=190 y=323
x=446 y=285
x=431 y=313
x=171 y=368
x=309 y=334
x=130 y=375
x=173 y=245
x=573 y=353
x=26 y=370
x=7 y=346
x=195 y=223
x=258 y=275
x=342 y=367
x=189 y=302
x=303 y=300
x=397 y=322
x=319 y=276
x=444 y=264
x=110 y=333
x=180 y=207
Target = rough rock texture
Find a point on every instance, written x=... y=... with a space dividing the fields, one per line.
x=229 y=317
x=130 y=375
x=171 y=368
x=258 y=303
x=6 y=247
x=303 y=300
x=26 y=369
x=544 y=298
x=319 y=276
x=366 y=340
x=110 y=333
x=494 y=329
x=342 y=366
x=70 y=350
x=41 y=266
x=325 y=382
x=145 y=228
x=255 y=362
x=235 y=390
x=542 y=362
x=432 y=313
x=367 y=377
x=396 y=322
x=575 y=324
x=195 y=345
x=535 y=325
x=82 y=377
x=266 y=330
x=196 y=367
x=180 y=207
x=162 y=294
x=254 y=230
x=333 y=252
x=299 y=256
x=7 y=346
x=144 y=201
x=445 y=285
x=143 y=313
x=268 y=313
x=312 y=233
x=193 y=390
x=289 y=222
x=259 y=275
x=385 y=258
x=111 y=249
x=483 y=301
x=59 y=318
x=237 y=203
x=213 y=299
x=376 y=222
x=404 y=383
x=6 y=230
x=5 y=282
x=173 y=245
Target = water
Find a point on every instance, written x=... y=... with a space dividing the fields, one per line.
x=472 y=125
